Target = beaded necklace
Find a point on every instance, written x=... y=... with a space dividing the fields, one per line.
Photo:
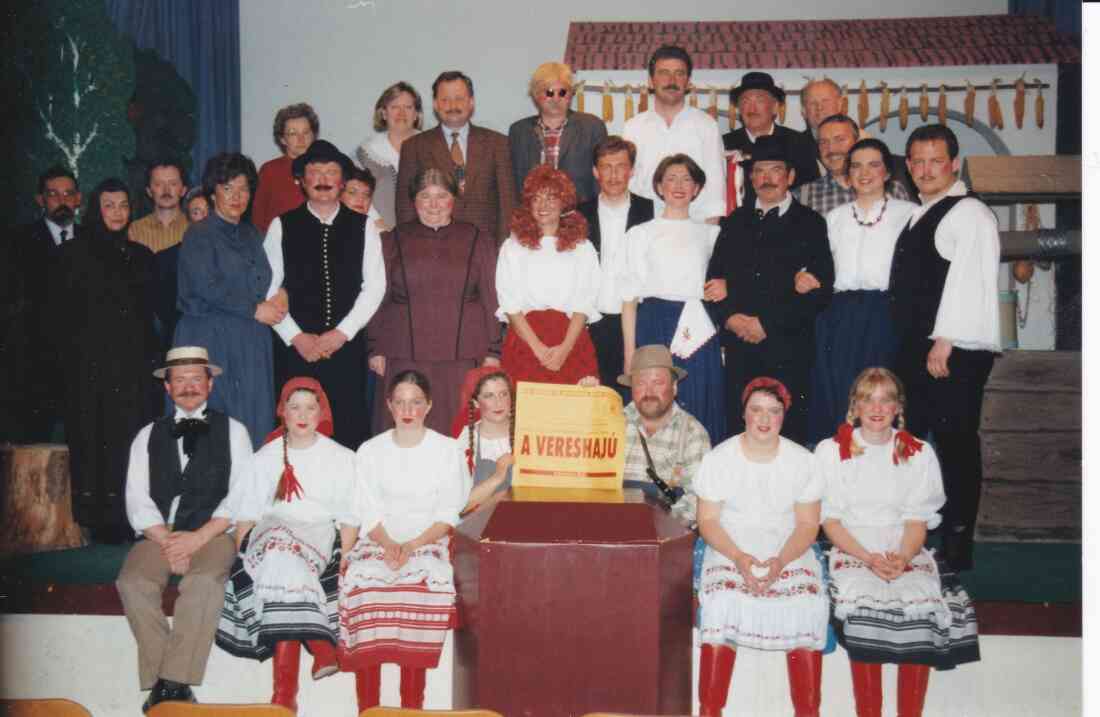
x=881 y=214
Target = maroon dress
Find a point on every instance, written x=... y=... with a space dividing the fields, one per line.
x=438 y=312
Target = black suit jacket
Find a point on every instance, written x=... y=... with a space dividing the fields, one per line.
x=801 y=151
x=641 y=211
x=578 y=142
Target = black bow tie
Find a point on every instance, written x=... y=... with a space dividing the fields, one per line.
x=763 y=216
x=190 y=429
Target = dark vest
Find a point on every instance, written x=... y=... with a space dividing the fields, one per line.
x=205 y=482
x=324 y=266
x=918 y=274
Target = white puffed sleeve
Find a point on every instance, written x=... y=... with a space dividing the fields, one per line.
x=925 y=495
x=368 y=498
x=586 y=287
x=509 y=278
x=969 y=315
x=633 y=269
x=343 y=471
x=833 y=500
x=809 y=472
x=452 y=486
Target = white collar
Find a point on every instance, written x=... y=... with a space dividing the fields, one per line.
x=197 y=413
x=783 y=205
x=381 y=151
x=323 y=220
x=752 y=137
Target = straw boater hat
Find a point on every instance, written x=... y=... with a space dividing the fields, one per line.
x=652 y=356
x=187 y=356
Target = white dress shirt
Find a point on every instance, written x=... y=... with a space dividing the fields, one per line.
x=862 y=254
x=666 y=259
x=612 y=235
x=371 y=291
x=140 y=508
x=56 y=229
x=968 y=238
x=693 y=132
x=783 y=205
x=545 y=278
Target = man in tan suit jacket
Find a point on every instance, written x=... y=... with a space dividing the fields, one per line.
x=478 y=157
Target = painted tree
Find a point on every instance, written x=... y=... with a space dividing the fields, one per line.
x=69 y=76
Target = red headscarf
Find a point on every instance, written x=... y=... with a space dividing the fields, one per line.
x=770 y=383
x=466 y=393
x=289 y=487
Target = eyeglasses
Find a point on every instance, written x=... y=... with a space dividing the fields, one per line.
x=560 y=92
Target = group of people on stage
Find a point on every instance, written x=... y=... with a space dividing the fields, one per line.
x=556 y=254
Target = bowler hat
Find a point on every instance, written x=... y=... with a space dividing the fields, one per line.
x=652 y=356
x=322 y=151
x=757 y=81
x=769 y=148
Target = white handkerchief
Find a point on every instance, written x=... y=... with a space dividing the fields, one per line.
x=692 y=330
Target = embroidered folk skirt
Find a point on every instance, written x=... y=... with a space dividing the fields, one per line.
x=283 y=586
x=397 y=615
x=550 y=326
x=702 y=393
x=923 y=617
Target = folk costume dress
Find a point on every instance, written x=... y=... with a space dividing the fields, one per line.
x=283 y=585
x=402 y=615
x=758 y=502
x=548 y=286
x=856 y=330
x=664 y=269
x=923 y=617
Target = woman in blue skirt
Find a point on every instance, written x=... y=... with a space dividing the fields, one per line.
x=664 y=286
x=855 y=331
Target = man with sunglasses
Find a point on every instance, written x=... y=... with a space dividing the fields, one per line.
x=671 y=126
x=557 y=135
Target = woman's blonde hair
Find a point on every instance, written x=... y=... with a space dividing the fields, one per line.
x=549 y=72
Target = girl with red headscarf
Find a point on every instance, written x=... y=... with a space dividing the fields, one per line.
x=283 y=586
x=484 y=426
x=547 y=280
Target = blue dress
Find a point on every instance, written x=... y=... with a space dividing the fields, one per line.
x=223 y=274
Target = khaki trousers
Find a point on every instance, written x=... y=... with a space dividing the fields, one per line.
x=179 y=652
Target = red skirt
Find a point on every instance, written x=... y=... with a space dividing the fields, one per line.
x=550 y=326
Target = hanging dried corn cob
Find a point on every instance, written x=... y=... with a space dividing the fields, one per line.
x=712 y=108
x=643 y=98
x=864 y=103
x=903 y=110
x=628 y=109
x=608 y=104
x=844 y=100
x=884 y=107
x=924 y=102
x=782 y=106
x=1040 y=105
x=578 y=92
x=693 y=98
x=941 y=106
x=993 y=106
x=1019 y=102
x=968 y=103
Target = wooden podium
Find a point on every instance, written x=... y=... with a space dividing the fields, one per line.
x=570 y=608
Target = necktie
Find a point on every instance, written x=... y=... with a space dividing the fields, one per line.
x=63 y=237
x=764 y=216
x=190 y=429
x=456 y=150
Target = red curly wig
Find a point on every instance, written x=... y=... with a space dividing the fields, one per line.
x=573 y=228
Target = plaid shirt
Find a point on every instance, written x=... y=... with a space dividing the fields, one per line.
x=677 y=448
x=825 y=194
x=551 y=143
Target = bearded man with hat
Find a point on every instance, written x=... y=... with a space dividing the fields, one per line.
x=756 y=99
x=185 y=485
x=329 y=260
x=662 y=438
x=767 y=328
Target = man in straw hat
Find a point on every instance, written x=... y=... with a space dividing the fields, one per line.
x=660 y=435
x=184 y=486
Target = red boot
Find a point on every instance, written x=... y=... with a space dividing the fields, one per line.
x=715 y=672
x=412 y=687
x=912 y=686
x=324 y=658
x=284 y=668
x=804 y=675
x=368 y=686
x=867 y=688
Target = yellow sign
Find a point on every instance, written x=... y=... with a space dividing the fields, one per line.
x=568 y=437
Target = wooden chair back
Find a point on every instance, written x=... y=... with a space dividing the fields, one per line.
x=407 y=712
x=42 y=708
x=186 y=709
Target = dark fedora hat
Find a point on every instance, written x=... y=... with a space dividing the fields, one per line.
x=322 y=151
x=769 y=148
x=757 y=81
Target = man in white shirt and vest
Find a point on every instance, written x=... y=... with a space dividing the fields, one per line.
x=186 y=479
x=943 y=289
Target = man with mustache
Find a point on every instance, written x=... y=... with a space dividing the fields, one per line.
x=328 y=258
x=835 y=136
x=756 y=99
x=671 y=126
x=479 y=158
x=31 y=405
x=943 y=289
x=767 y=327
x=675 y=440
x=186 y=482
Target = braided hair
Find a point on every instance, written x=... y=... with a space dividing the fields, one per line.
x=471 y=413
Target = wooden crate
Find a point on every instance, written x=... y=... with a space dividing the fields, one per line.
x=1031 y=448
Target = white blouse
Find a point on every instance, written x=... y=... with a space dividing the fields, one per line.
x=862 y=255
x=968 y=237
x=487 y=449
x=545 y=278
x=758 y=499
x=666 y=259
x=409 y=489
x=326 y=472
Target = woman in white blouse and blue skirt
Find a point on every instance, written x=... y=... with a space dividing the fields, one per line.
x=892 y=602
x=856 y=330
x=664 y=286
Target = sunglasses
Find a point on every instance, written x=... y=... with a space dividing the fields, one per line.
x=560 y=92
